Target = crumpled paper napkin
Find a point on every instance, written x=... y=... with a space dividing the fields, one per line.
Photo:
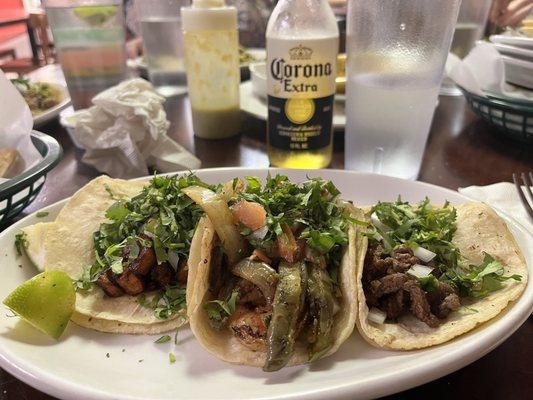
x=482 y=71
x=16 y=124
x=503 y=196
x=125 y=131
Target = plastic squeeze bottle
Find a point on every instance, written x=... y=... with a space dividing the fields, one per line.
x=212 y=62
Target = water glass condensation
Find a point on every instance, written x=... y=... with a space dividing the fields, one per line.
x=90 y=41
x=473 y=16
x=160 y=23
x=396 y=51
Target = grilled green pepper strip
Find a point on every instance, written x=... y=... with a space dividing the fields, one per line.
x=285 y=310
x=321 y=303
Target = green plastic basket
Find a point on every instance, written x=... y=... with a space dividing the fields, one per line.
x=512 y=118
x=17 y=193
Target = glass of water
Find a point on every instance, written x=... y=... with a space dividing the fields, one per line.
x=162 y=35
x=394 y=70
x=89 y=38
x=473 y=16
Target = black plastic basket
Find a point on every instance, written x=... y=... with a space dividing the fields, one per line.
x=512 y=118
x=17 y=193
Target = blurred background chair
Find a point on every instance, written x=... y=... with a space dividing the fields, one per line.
x=42 y=47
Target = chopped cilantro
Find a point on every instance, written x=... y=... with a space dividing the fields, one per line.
x=42 y=214
x=312 y=206
x=162 y=217
x=479 y=281
x=429 y=283
x=433 y=228
x=218 y=310
x=171 y=358
x=163 y=339
x=165 y=303
x=421 y=225
x=21 y=242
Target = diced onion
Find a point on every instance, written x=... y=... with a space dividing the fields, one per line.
x=220 y=215
x=378 y=224
x=173 y=259
x=259 y=233
x=376 y=315
x=419 y=271
x=424 y=254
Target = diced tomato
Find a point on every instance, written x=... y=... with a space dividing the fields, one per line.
x=287 y=246
x=251 y=215
x=260 y=254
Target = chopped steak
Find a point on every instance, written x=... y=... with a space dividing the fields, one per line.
x=419 y=304
x=389 y=288
x=249 y=327
x=144 y=262
x=109 y=286
x=449 y=304
x=249 y=294
x=386 y=285
x=130 y=283
x=394 y=304
x=403 y=259
x=443 y=300
x=163 y=274
x=375 y=266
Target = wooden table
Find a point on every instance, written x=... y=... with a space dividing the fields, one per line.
x=462 y=151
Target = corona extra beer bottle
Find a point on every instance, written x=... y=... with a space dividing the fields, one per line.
x=302 y=46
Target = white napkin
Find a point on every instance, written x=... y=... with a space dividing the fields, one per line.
x=16 y=124
x=126 y=131
x=503 y=196
x=482 y=71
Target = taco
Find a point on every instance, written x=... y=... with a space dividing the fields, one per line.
x=433 y=273
x=272 y=271
x=125 y=244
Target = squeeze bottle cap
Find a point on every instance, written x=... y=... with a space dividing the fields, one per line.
x=208 y=3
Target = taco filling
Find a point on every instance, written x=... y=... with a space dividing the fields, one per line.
x=413 y=268
x=144 y=244
x=273 y=277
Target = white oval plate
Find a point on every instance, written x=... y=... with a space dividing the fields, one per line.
x=51 y=113
x=77 y=367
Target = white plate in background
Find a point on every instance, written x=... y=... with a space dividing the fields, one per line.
x=51 y=113
x=514 y=52
x=518 y=41
x=518 y=72
x=76 y=367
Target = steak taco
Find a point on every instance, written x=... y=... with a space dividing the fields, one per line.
x=125 y=244
x=433 y=273
x=272 y=271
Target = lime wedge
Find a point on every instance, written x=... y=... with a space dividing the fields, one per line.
x=95 y=15
x=35 y=235
x=46 y=301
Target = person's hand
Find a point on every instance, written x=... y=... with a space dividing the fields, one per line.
x=134 y=47
x=510 y=12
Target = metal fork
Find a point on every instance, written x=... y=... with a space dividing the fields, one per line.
x=527 y=181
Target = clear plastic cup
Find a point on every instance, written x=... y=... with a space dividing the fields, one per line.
x=396 y=51
x=160 y=22
x=473 y=16
x=90 y=41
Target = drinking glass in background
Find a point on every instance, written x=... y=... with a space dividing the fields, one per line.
x=90 y=42
x=160 y=22
x=394 y=71
x=473 y=16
